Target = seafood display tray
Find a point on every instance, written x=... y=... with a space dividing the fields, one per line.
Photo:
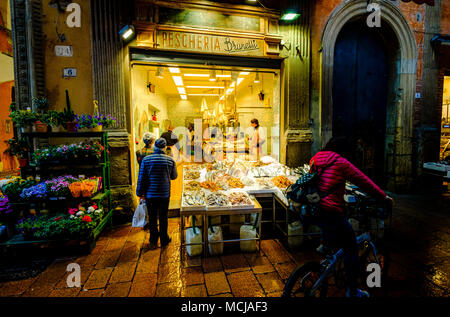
x=238 y=207
x=216 y=208
x=192 y=208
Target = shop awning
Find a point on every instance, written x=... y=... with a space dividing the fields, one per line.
x=429 y=2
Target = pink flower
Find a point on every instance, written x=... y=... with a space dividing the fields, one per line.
x=73 y=211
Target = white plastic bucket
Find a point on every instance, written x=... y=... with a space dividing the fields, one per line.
x=194 y=235
x=295 y=228
x=214 y=236
x=247 y=232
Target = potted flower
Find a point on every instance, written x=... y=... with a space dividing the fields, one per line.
x=84 y=122
x=41 y=105
x=35 y=192
x=20 y=148
x=68 y=117
x=107 y=121
x=55 y=119
x=24 y=119
x=14 y=188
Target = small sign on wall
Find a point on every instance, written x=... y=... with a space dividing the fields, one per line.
x=63 y=50
x=69 y=72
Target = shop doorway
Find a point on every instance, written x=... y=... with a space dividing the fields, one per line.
x=185 y=91
x=360 y=97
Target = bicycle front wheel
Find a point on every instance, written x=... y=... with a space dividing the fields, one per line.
x=302 y=280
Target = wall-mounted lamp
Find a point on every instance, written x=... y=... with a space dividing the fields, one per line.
x=285 y=44
x=290 y=14
x=127 y=33
x=256 y=78
x=159 y=72
x=212 y=75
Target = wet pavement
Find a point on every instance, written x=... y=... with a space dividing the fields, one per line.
x=121 y=264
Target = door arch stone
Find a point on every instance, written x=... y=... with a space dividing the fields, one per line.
x=405 y=78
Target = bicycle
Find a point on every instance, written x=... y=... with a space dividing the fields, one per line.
x=313 y=278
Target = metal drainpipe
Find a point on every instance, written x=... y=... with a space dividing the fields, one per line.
x=29 y=35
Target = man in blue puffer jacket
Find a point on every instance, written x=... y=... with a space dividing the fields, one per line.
x=155 y=173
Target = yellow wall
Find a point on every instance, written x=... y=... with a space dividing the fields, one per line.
x=80 y=88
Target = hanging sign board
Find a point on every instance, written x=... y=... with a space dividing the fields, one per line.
x=207 y=43
x=63 y=50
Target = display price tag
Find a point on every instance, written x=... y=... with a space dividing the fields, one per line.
x=81 y=176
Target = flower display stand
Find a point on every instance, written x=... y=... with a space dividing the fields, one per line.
x=102 y=198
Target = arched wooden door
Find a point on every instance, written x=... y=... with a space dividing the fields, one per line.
x=360 y=96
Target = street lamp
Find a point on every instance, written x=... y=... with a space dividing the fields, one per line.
x=127 y=33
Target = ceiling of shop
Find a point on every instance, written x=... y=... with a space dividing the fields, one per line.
x=196 y=82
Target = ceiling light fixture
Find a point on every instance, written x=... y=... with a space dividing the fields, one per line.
x=239 y=80
x=206 y=87
x=213 y=95
x=244 y=73
x=178 y=80
x=195 y=75
x=183 y=97
x=174 y=70
x=181 y=90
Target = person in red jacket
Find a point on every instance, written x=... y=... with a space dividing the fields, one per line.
x=335 y=171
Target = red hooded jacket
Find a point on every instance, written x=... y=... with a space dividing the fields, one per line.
x=332 y=180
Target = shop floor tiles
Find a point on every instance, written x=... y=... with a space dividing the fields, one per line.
x=123 y=265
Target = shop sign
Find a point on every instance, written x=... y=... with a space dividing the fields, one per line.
x=207 y=43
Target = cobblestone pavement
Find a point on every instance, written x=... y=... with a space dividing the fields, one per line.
x=122 y=265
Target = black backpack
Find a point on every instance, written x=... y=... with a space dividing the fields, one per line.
x=305 y=191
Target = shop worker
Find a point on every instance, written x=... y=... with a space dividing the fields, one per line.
x=148 y=138
x=257 y=139
x=335 y=171
x=171 y=140
x=155 y=173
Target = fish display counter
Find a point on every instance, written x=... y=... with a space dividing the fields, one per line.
x=228 y=190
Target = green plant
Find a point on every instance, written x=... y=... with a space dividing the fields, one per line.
x=18 y=147
x=68 y=115
x=41 y=104
x=23 y=118
x=14 y=188
x=53 y=118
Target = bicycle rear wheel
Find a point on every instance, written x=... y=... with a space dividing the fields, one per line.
x=301 y=281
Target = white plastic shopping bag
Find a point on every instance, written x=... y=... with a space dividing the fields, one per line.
x=140 y=215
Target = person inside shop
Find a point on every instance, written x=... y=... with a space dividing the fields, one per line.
x=155 y=174
x=171 y=140
x=148 y=138
x=335 y=170
x=257 y=139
